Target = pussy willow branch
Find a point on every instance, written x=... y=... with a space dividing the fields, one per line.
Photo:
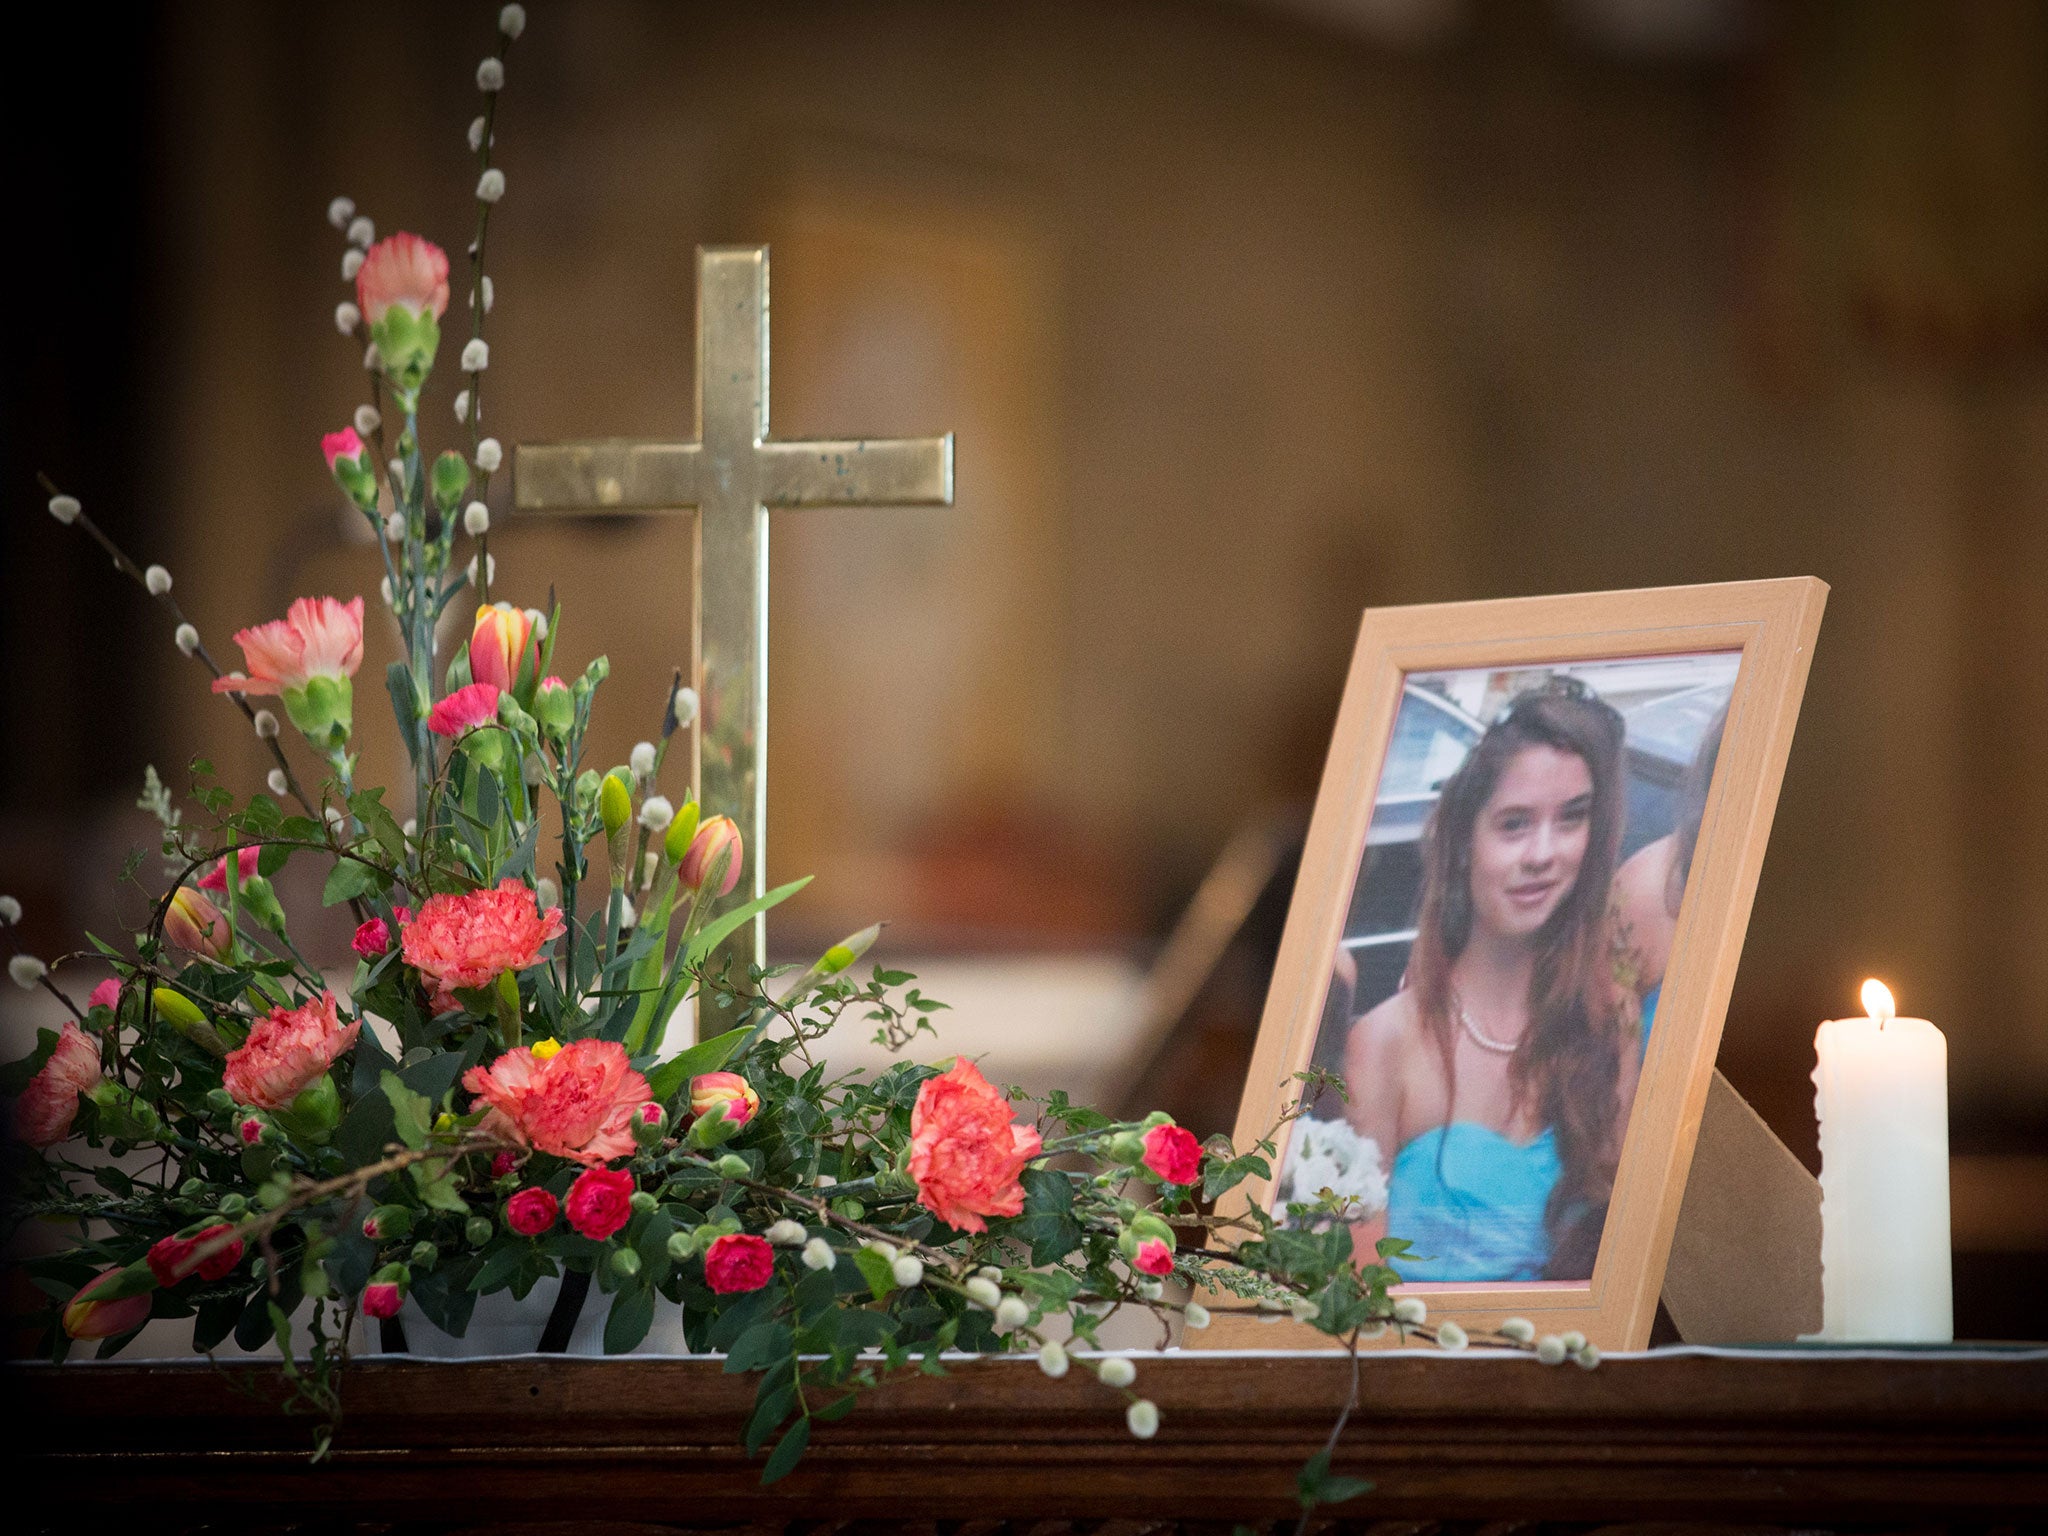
x=476 y=320
x=128 y=567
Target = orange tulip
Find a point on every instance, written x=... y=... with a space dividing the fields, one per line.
x=500 y=645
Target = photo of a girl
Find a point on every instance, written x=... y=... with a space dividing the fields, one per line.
x=1486 y=1018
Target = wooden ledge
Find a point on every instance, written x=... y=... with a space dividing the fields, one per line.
x=474 y=1443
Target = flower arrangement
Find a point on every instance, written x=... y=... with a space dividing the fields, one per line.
x=484 y=1103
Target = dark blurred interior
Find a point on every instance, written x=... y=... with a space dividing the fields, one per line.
x=1248 y=316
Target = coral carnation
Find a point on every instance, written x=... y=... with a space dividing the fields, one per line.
x=403 y=269
x=48 y=1105
x=317 y=637
x=577 y=1103
x=1173 y=1154
x=466 y=942
x=287 y=1053
x=965 y=1151
x=465 y=709
x=600 y=1202
x=170 y=1258
x=738 y=1261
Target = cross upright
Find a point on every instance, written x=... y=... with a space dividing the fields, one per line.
x=732 y=475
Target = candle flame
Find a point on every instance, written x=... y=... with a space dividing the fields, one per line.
x=1877 y=1001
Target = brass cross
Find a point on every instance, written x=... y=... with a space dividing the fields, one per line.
x=732 y=475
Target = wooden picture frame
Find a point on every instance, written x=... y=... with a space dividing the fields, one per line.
x=1770 y=628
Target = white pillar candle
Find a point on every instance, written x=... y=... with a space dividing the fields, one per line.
x=1881 y=1094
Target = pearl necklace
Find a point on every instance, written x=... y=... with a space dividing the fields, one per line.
x=1479 y=1037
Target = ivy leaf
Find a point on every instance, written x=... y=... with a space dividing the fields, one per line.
x=1315 y=1484
x=368 y=806
x=788 y=1452
x=412 y=1113
x=351 y=878
x=879 y=1273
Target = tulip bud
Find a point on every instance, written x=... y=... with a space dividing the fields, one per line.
x=105 y=1318
x=614 y=805
x=716 y=847
x=450 y=479
x=681 y=832
x=195 y=925
x=727 y=1092
x=650 y=1124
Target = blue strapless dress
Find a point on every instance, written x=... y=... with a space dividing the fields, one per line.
x=1470 y=1202
x=1650 y=1000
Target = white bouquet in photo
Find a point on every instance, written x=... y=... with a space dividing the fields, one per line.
x=1328 y=1155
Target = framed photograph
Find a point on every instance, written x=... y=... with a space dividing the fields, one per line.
x=1512 y=940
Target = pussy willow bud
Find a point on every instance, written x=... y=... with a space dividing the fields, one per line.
x=157 y=579
x=908 y=1270
x=476 y=355
x=685 y=705
x=462 y=405
x=641 y=760
x=490 y=292
x=786 y=1233
x=347 y=317
x=368 y=420
x=362 y=233
x=65 y=508
x=340 y=211
x=394 y=528
x=476 y=519
x=490 y=454
x=476 y=132
x=1142 y=1418
x=490 y=186
x=1052 y=1359
x=512 y=20
x=279 y=784
x=656 y=813
x=266 y=725
x=351 y=264
x=10 y=911
x=490 y=76
x=1196 y=1315
x=984 y=1293
x=1012 y=1312
x=1116 y=1371
x=26 y=971
x=818 y=1254
x=186 y=638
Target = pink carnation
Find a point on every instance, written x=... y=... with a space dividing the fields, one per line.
x=372 y=938
x=738 y=1261
x=216 y=878
x=382 y=1298
x=106 y=995
x=287 y=1053
x=344 y=444
x=1154 y=1258
x=317 y=637
x=171 y=1259
x=465 y=942
x=578 y=1103
x=600 y=1202
x=48 y=1105
x=966 y=1152
x=403 y=269
x=1173 y=1154
x=465 y=709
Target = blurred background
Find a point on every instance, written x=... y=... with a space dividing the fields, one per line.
x=1248 y=316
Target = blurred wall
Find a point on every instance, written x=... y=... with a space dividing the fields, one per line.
x=1246 y=322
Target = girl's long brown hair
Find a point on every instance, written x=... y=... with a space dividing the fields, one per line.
x=1568 y=1062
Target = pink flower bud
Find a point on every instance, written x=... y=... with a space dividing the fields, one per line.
x=172 y=1259
x=345 y=444
x=216 y=878
x=1154 y=1258
x=716 y=839
x=195 y=925
x=727 y=1088
x=372 y=938
x=503 y=1164
x=106 y=995
x=85 y=1319
x=252 y=1129
x=382 y=1298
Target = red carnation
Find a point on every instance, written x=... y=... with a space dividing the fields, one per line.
x=738 y=1261
x=382 y=1299
x=1173 y=1154
x=532 y=1211
x=170 y=1258
x=601 y=1202
x=1154 y=1258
